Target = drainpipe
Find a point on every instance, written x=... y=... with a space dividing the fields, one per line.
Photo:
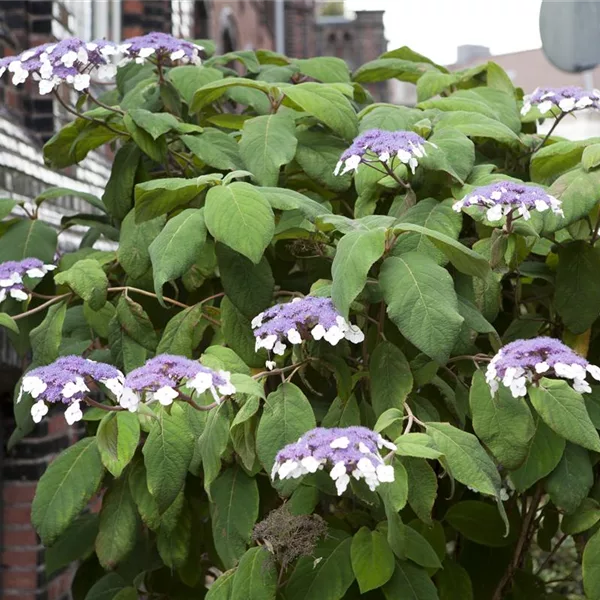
x=280 y=26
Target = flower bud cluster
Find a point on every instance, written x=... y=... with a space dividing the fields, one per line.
x=12 y=274
x=504 y=197
x=66 y=381
x=346 y=451
x=519 y=363
x=379 y=145
x=301 y=319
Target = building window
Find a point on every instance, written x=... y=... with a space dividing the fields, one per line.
x=228 y=29
x=201 y=20
x=182 y=18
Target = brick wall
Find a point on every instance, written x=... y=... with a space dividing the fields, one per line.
x=22 y=565
x=142 y=16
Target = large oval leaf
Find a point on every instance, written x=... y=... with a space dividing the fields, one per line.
x=236 y=208
x=65 y=488
x=422 y=303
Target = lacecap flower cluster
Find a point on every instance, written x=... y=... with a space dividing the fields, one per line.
x=503 y=197
x=64 y=381
x=521 y=362
x=566 y=99
x=161 y=378
x=76 y=62
x=301 y=319
x=12 y=274
x=378 y=145
x=349 y=451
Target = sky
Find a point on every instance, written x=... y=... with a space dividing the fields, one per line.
x=436 y=27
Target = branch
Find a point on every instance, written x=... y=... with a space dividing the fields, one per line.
x=84 y=117
x=411 y=419
x=103 y=406
x=520 y=548
x=42 y=306
x=552 y=553
x=126 y=288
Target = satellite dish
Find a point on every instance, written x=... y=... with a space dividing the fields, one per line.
x=570 y=32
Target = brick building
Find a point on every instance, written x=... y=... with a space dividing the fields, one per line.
x=27 y=119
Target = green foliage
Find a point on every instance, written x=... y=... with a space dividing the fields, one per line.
x=223 y=201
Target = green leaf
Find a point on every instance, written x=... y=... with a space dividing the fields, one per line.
x=216 y=149
x=582 y=519
x=267 y=143
x=173 y=544
x=544 y=454
x=287 y=415
x=327 y=579
x=187 y=79
x=422 y=487
x=572 y=479
x=328 y=69
x=154 y=149
x=317 y=154
x=473 y=318
x=479 y=522
x=255 y=577
x=451 y=152
x=88 y=280
x=249 y=286
x=240 y=207
x=57 y=192
x=388 y=417
x=237 y=333
x=564 y=411
x=467 y=261
x=213 y=442
x=410 y=583
x=419 y=550
x=383 y=69
x=160 y=196
x=176 y=247
x=284 y=199
x=503 y=423
x=422 y=303
x=356 y=253
x=395 y=493
x=8 y=322
x=418 y=445
x=577 y=285
x=212 y=91
x=106 y=588
x=372 y=559
x=118 y=194
x=167 y=455
x=72 y=143
x=591 y=567
x=65 y=488
x=579 y=192
x=222 y=588
x=548 y=163
x=434 y=216
x=234 y=512
x=124 y=350
x=591 y=157
x=118 y=436
x=6 y=206
x=27 y=239
x=156 y=124
x=135 y=323
x=476 y=125
x=391 y=379
x=326 y=104
x=181 y=335
x=145 y=502
x=76 y=543
x=134 y=240
x=466 y=460
x=453 y=582
x=46 y=337
x=118 y=525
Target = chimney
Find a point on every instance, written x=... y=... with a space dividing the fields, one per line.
x=468 y=53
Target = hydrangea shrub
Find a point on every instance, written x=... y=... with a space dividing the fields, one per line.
x=338 y=349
